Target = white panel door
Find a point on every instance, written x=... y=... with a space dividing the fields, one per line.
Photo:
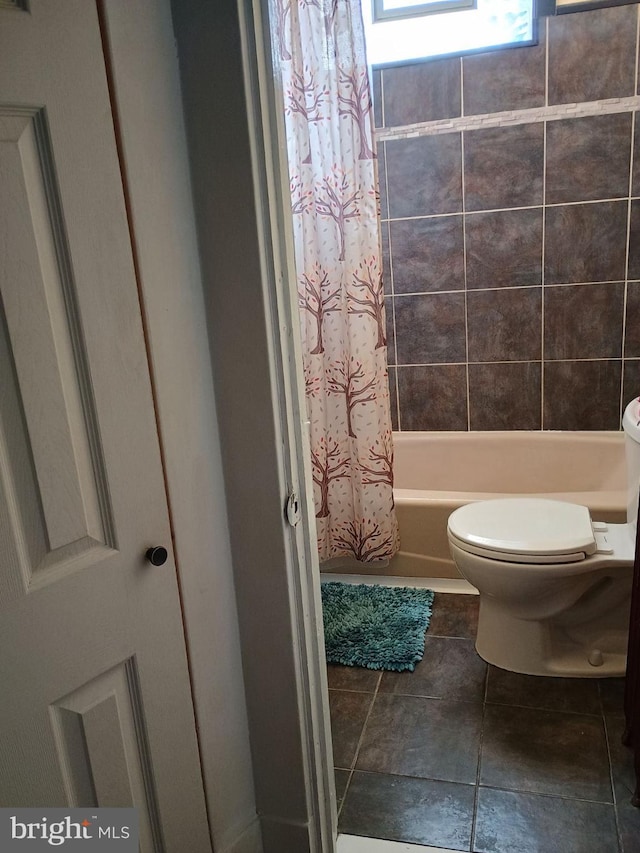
x=95 y=702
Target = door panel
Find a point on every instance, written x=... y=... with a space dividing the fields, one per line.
x=96 y=702
x=96 y=728
x=56 y=483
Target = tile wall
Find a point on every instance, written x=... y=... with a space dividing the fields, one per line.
x=510 y=193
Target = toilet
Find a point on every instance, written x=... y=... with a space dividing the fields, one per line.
x=555 y=585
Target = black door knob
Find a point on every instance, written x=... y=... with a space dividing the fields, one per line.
x=157 y=556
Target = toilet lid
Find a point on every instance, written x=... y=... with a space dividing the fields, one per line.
x=525 y=526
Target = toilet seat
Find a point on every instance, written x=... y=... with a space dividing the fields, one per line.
x=524 y=530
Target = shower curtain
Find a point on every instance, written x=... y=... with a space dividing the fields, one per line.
x=334 y=202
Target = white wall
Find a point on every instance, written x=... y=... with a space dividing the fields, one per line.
x=243 y=320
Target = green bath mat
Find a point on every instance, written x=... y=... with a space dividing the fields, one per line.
x=378 y=627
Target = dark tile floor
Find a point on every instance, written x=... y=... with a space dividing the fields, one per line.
x=466 y=756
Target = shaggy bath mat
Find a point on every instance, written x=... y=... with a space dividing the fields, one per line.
x=378 y=627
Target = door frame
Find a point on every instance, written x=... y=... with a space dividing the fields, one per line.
x=268 y=727
x=140 y=52
x=269 y=156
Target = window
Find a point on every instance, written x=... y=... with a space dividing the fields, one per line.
x=491 y=24
x=385 y=9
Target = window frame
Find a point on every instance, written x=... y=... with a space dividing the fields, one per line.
x=418 y=11
x=538 y=10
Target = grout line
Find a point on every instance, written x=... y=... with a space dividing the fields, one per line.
x=546 y=62
x=458 y=213
x=608 y=743
x=364 y=727
x=508 y=287
x=581 y=283
x=464 y=266
x=519 y=361
x=486 y=684
x=476 y=793
x=532 y=793
x=509 y=209
x=543 y=258
x=611 y=779
x=351 y=769
x=627 y=253
x=392 y=285
x=350 y=690
x=525 y=791
x=386 y=192
x=479 y=769
x=420 y=778
x=545 y=710
x=425 y=216
x=346 y=789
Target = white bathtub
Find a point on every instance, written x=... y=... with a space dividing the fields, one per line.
x=436 y=472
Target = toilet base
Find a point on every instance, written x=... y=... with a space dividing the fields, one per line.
x=548 y=648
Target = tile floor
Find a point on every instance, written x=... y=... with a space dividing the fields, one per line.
x=466 y=756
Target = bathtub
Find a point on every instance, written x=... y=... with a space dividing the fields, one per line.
x=436 y=472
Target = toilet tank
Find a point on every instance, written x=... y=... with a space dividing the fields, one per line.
x=631 y=427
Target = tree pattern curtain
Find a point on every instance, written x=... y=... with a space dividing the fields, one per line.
x=334 y=198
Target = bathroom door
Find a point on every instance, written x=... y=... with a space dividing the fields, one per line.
x=95 y=705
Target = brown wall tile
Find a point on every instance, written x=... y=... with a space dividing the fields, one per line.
x=386 y=257
x=430 y=328
x=505 y=325
x=583 y=321
x=585 y=242
x=632 y=325
x=634 y=241
x=382 y=181
x=424 y=175
x=393 y=398
x=631 y=381
x=582 y=395
x=426 y=91
x=635 y=183
x=588 y=158
x=433 y=398
x=376 y=96
x=390 y=330
x=511 y=79
x=503 y=167
x=504 y=248
x=505 y=396
x=428 y=254
x=592 y=55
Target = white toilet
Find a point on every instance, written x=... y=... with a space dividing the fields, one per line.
x=555 y=586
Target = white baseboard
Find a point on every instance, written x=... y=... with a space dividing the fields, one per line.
x=357 y=844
